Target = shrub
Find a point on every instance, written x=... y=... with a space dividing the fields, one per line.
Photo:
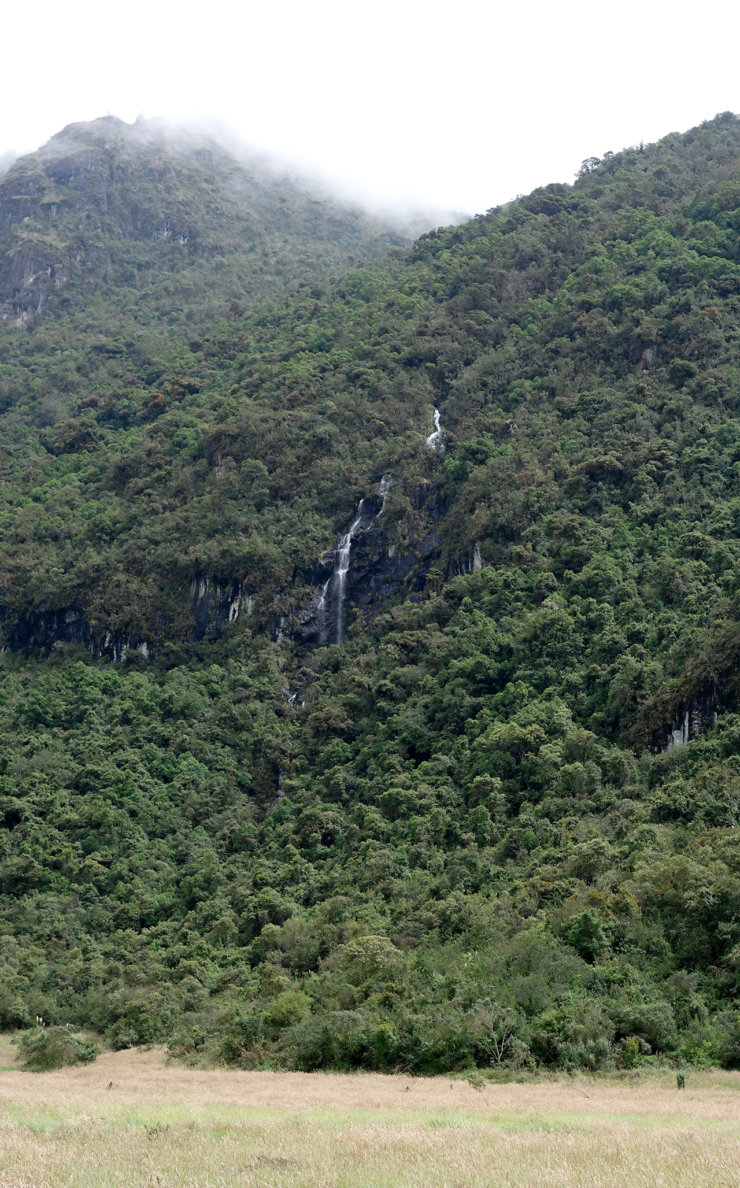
x=729 y=1044
x=45 y=1048
x=574 y=1036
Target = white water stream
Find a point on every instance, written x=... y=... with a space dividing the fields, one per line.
x=334 y=591
x=322 y=609
x=435 y=440
x=383 y=489
x=341 y=569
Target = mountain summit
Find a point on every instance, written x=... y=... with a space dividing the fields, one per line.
x=108 y=205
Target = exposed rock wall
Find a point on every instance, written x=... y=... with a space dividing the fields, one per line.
x=38 y=630
x=215 y=602
x=690 y=719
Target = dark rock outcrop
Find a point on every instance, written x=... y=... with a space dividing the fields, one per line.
x=215 y=602
x=40 y=629
x=691 y=718
x=378 y=571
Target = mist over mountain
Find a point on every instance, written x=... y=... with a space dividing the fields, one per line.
x=109 y=205
x=6 y=160
x=370 y=683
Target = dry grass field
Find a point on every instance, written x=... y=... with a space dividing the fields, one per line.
x=131 y=1119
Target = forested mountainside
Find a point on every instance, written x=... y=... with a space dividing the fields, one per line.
x=370 y=693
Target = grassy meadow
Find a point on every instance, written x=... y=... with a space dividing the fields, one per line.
x=133 y=1119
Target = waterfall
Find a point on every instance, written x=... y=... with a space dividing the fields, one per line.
x=435 y=440
x=329 y=605
x=383 y=488
x=282 y=623
x=321 y=610
x=341 y=569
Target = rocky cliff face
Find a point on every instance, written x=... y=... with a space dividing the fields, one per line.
x=214 y=603
x=91 y=189
x=40 y=629
x=377 y=570
x=691 y=718
x=50 y=201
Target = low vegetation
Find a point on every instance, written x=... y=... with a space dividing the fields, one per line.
x=129 y=1119
x=44 y=1048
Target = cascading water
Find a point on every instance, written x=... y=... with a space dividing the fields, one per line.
x=341 y=569
x=435 y=440
x=330 y=603
x=321 y=611
x=383 y=488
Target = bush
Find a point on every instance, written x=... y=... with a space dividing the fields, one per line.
x=44 y=1048
x=575 y=1036
x=729 y=1044
x=339 y=1039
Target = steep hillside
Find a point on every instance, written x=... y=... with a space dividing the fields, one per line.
x=425 y=749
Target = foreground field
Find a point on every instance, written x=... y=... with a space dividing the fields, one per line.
x=130 y=1119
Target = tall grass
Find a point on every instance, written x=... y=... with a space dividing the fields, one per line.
x=131 y=1120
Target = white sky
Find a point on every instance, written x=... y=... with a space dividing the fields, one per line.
x=455 y=106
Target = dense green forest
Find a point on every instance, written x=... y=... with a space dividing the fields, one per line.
x=488 y=817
